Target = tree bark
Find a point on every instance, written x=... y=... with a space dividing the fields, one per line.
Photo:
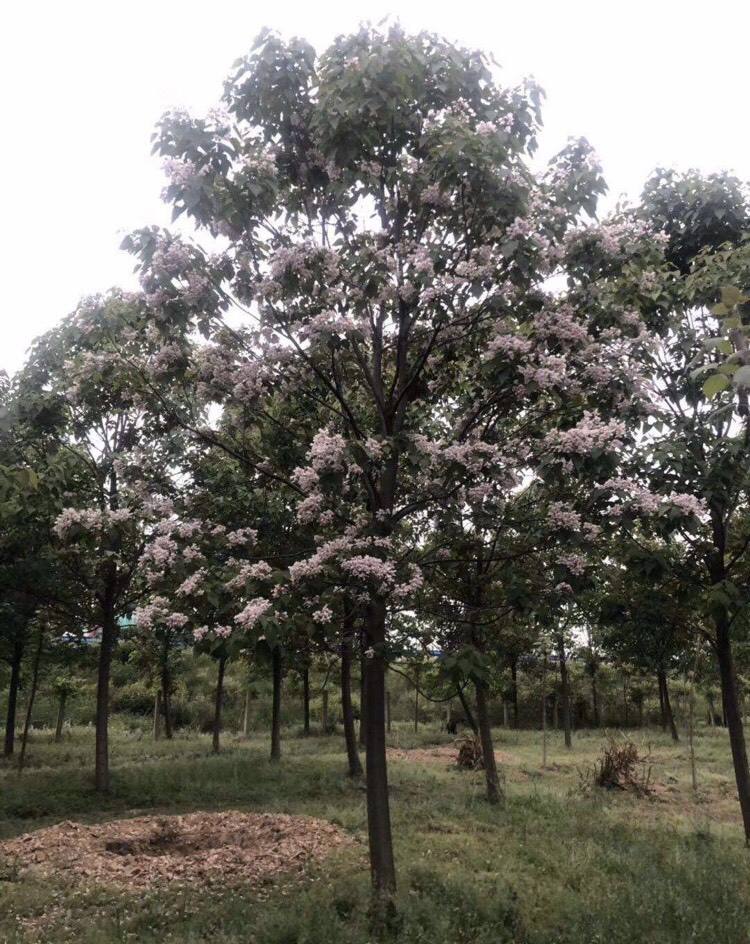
x=363 y=700
x=15 y=681
x=467 y=711
x=218 y=699
x=494 y=791
x=565 y=691
x=32 y=697
x=276 y=708
x=60 y=716
x=668 y=716
x=734 y=720
x=382 y=866
x=101 y=759
x=306 y=701
x=347 y=711
x=166 y=696
x=157 y=715
x=514 y=689
x=544 y=711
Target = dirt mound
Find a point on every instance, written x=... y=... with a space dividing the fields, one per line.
x=198 y=847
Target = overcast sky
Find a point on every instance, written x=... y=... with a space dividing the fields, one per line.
x=652 y=83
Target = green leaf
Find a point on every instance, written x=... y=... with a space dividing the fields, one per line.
x=715 y=384
x=730 y=296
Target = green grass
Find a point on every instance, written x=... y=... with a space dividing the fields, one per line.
x=551 y=867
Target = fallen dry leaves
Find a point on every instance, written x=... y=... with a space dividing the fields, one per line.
x=230 y=846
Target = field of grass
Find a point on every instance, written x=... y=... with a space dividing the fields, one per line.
x=555 y=865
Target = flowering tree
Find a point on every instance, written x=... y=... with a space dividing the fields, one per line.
x=389 y=249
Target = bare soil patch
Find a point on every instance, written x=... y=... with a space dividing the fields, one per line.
x=231 y=847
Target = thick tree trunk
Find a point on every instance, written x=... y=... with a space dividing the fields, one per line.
x=668 y=716
x=60 y=716
x=276 y=707
x=467 y=711
x=218 y=699
x=306 y=701
x=565 y=691
x=382 y=866
x=166 y=695
x=15 y=681
x=494 y=791
x=32 y=697
x=101 y=761
x=347 y=711
x=734 y=720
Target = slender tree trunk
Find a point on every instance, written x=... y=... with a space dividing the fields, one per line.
x=416 y=701
x=388 y=709
x=101 y=763
x=246 y=718
x=60 y=716
x=494 y=791
x=467 y=710
x=166 y=695
x=324 y=710
x=565 y=691
x=555 y=711
x=734 y=720
x=662 y=712
x=276 y=708
x=382 y=866
x=669 y=717
x=595 y=698
x=505 y=713
x=514 y=689
x=219 y=698
x=10 y=718
x=157 y=715
x=625 y=699
x=363 y=700
x=347 y=711
x=640 y=712
x=544 y=711
x=32 y=697
x=711 y=710
x=306 y=701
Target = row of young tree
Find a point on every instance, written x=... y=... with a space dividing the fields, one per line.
x=394 y=390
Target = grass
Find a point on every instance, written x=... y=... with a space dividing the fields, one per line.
x=554 y=866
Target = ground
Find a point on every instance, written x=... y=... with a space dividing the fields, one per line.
x=560 y=863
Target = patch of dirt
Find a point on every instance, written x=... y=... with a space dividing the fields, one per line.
x=441 y=754
x=199 y=847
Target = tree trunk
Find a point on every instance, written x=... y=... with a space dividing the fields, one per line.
x=544 y=711
x=218 y=699
x=416 y=701
x=565 y=691
x=505 y=713
x=32 y=696
x=362 y=700
x=382 y=866
x=347 y=711
x=324 y=710
x=101 y=763
x=514 y=689
x=246 y=719
x=595 y=698
x=467 y=710
x=662 y=712
x=60 y=716
x=15 y=680
x=734 y=720
x=388 y=709
x=625 y=699
x=157 y=715
x=276 y=708
x=494 y=791
x=668 y=716
x=166 y=695
x=711 y=710
x=306 y=701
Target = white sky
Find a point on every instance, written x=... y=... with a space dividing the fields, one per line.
x=663 y=82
